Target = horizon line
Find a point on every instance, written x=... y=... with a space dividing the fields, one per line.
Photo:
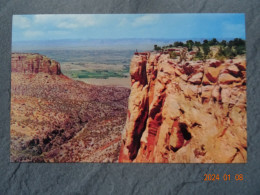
x=128 y=38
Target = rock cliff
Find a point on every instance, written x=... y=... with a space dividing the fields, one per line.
x=34 y=63
x=190 y=112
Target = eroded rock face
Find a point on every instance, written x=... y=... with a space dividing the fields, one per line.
x=57 y=119
x=34 y=63
x=194 y=112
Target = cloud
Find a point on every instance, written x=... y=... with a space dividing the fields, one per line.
x=68 y=25
x=41 y=19
x=52 y=34
x=33 y=34
x=57 y=32
x=67 y=21
x=88 y=26
x=21 y=21
x=123 y=21
x=145 y=20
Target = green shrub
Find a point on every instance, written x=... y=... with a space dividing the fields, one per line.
x=189 y=45
x=173 y=55
x=157 y=48
x=198 y=56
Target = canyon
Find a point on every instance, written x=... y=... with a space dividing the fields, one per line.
x=185 y=112
x=57 y=119
x=188 y=111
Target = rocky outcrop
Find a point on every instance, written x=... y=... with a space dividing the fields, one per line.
x=34 y=63
x=189 y=112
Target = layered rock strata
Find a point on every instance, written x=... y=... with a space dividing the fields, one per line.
x=34 y=63
x=190 y=112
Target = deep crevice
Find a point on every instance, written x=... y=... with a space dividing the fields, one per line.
x=136 y=139
x=186 y=134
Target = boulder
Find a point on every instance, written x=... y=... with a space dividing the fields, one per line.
x=214 y=63
x=233 y=69
x=212 y=74
x=196 y=78
x=226 y=78
x=206 y=93
x=241 y=65
x=205 y=80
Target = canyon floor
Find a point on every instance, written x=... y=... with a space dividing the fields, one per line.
x=120 y=76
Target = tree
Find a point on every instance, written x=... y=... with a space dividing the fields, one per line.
x=238 y=42
x=241 y=49
x=220 y=55
x=157 y=48
x=223 y=43
x=199 y=55
x=229 y=52
x=213 y=42
x=189 y=44
x=230 y=44
x=197 y=43
x=226 y=53
x=206 y=49
x=205 y=41
x=177 y=44
x=239 y=46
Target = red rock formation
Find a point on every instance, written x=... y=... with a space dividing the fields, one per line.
x=191 y=112
x=34 y=63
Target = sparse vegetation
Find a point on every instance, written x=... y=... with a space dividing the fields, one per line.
x=173 y=55
x=199 y=55
x=231 y=49
x=204 y=50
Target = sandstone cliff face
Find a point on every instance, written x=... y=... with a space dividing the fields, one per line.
x=191 y=112
x=34 y=63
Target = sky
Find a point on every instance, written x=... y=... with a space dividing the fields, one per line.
x=120 y=26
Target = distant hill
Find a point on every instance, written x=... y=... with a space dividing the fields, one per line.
x=139 y=44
